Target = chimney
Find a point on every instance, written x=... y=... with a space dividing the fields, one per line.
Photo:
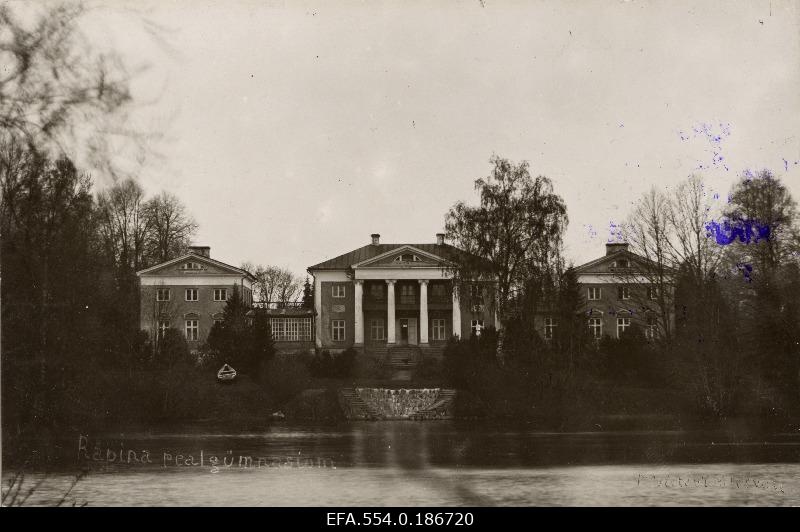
x=203 y=251
x=612 y=248
x=376 y=239
x=440 y=239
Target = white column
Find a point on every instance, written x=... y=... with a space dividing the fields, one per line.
x=456 y=312
x=358 y=321
x=390 y=339
x=423 y=311
x=318 y=312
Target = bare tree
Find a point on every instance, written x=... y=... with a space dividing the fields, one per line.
x=171 y=227
x=274 y=284
x=160 y=311
x=51 y=83
x=670 y=230
x=684 y=263
x=690 y=214
x=648 y=232
x=124 y=225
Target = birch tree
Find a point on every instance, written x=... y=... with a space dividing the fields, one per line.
x=513 y=235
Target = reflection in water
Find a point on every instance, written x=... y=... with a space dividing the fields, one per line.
x=433 y=463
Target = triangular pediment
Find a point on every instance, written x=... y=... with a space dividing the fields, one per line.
x=404 y=257
x=192 y=264
x=621 y=262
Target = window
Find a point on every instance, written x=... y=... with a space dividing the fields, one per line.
x=162 y=294
x=438 y=291
x=163 y=325
x=476 y=326
x=622 y=326
x=220 y=294
x=624 y=292
x=652 y=292
x=191 y=294
x=277 y=327
x=377 y=330
x=476 y=293
x=192 y=266
x=550 y=325
x=290 y=329
x=622 y=263
x=438 y=329
x=407 y=294
x=337 y=330
x=339 y=290
x=192 y=330
x=650 y=327
x=594 y=293
x=376 y=291
x=476 y=298
x=596 y=327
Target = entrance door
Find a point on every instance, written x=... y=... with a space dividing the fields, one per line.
x=403 y=328
x=412 y=331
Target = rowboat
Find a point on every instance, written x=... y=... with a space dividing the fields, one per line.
x=226 y=373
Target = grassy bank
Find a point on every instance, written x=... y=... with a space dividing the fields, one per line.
x=287 y=391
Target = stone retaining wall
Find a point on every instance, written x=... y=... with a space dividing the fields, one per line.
x=398 y=403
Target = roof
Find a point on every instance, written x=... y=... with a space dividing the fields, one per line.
x=588 y=267
x=345 y=261
x=197 y=258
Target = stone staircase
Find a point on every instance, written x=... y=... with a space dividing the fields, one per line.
x=354 y=407
x=398 y=354
x=442 y=408
x=404 y=356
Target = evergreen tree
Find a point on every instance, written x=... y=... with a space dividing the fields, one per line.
x=172 y=349
x=231 y=337
x=571 y=336
x=308 y=295
x=262 y=346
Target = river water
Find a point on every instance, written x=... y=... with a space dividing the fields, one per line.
x=419 y=463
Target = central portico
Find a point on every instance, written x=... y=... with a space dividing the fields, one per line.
x=384 y=295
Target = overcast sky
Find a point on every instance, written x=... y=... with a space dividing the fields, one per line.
x=293 y=130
